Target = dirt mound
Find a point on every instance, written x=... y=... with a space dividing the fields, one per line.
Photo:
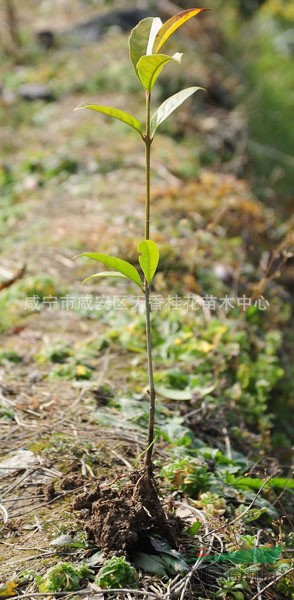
x=121 y=519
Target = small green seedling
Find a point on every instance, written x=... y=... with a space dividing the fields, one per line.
x=145 y=44
x=116 y=573
x=64 y=577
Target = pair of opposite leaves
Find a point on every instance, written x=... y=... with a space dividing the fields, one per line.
x=145 y=41
x=148 y=259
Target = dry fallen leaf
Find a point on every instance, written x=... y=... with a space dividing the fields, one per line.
x=8 y=589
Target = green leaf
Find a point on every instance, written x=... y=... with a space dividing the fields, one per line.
x=149 y=67
x=282 y=483
x=122 y=266
x=263 y=555
x=68 y=540
x=186 y=394
x=174 y=564
x=171 y=104
x=254 y=514
x=194 y=528
x=149 y=258
x=256 y=483
x=142 y=36
x=262 y=502
x=95 y=559
x=173 y=394
x=121 y=115
x=161 y=546
x=175 y=432
x=172 y=25
x=173 y=560
x=104 y=274
x=150 y=564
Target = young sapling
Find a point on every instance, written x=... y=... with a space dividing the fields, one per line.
x=145 y=44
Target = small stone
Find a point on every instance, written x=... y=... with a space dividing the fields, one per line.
x=35 y=91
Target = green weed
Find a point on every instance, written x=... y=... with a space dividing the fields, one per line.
x=64 y=577
x=116 y=573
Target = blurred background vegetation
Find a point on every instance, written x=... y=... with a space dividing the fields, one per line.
x=244 y=52
x=223 y=169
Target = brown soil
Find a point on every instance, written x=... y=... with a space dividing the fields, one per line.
x=72 y=481
x=121 y=519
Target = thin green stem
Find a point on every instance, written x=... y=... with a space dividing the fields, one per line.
x=148 y=142
x=151 y=391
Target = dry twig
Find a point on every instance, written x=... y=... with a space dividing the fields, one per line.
x=12 y=280
x=255 y=597
x=93 y=594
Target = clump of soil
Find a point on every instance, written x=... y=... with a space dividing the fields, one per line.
x=49 y=491
x=72 y=481
x=119 y=520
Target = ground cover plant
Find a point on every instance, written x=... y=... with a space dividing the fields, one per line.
x=72 y=410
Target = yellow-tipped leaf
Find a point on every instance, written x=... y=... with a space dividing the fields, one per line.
x=170 y=26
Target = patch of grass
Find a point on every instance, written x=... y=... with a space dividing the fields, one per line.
x=40 y=285
x=10 y=356
x=61 y=447
x=71 y=361
x=234 y=364
x=70 y=371
x=10 y=212
x=58 y=352
x=6 y=413
x=14 y=301
x=48 y=167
